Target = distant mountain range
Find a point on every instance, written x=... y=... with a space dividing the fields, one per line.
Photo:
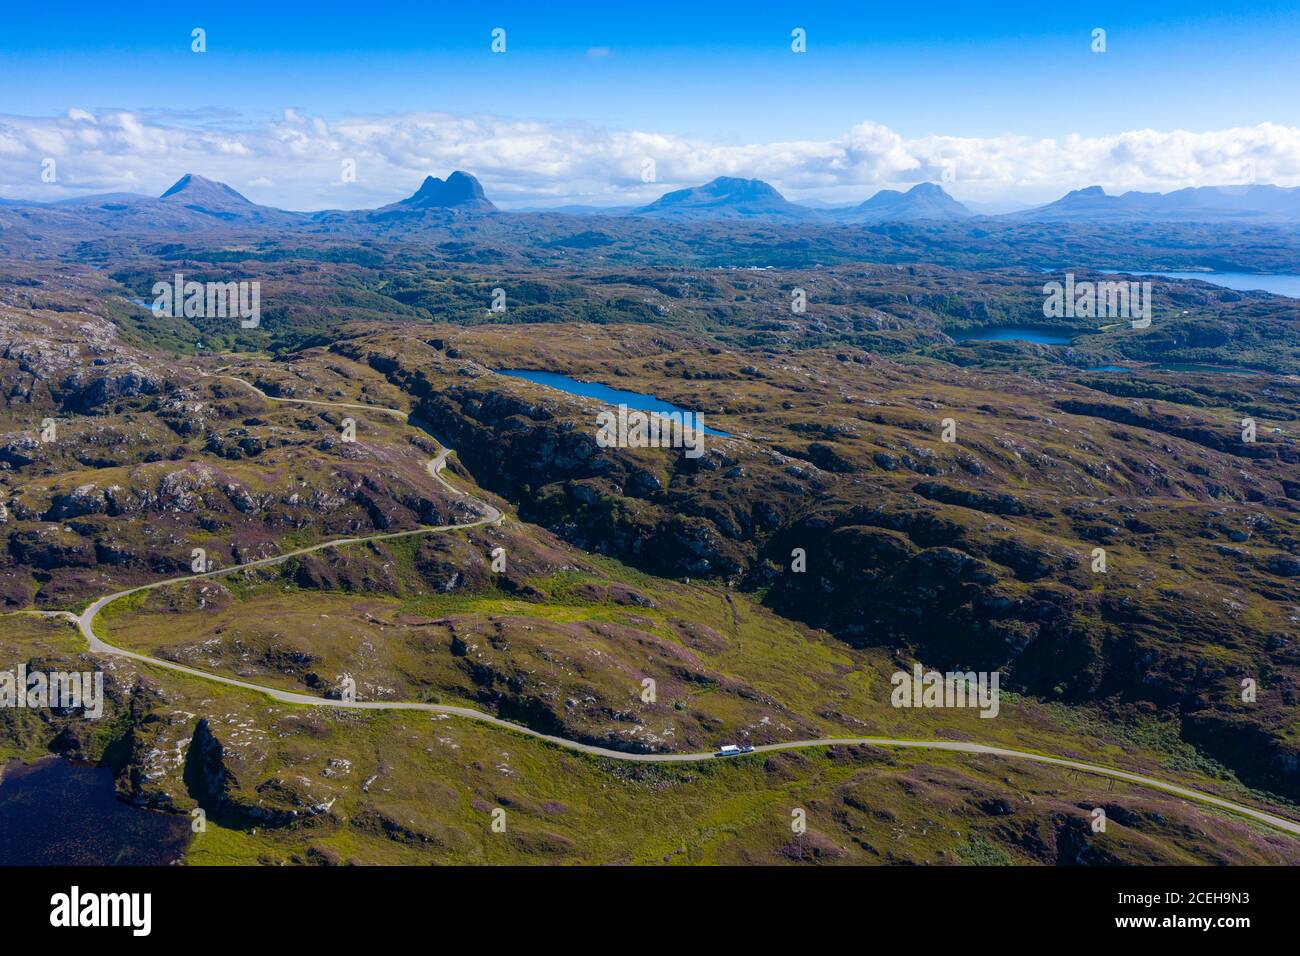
x=724 y=198
x=1204 y=204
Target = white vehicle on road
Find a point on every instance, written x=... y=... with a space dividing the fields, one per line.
x=731 y=750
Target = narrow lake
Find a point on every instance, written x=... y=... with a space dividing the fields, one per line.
x=1012 y=333
x=1278 y=284
x=58 y=813
x=1176 y=367
x=1217 y=369
x=603 y=393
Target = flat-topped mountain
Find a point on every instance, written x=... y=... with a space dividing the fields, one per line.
x=726 y=198
x=924 y=201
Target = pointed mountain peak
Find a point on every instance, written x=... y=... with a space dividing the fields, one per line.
x=184 y=182
x=192 y=188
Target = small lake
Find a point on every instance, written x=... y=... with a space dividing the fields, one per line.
x=58 y=813
x=1217 y=369
x=1278 y=284
x=1012 y=333
x=603 y=393
x=1175 y=367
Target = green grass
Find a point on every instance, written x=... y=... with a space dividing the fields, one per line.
x=439 y=778
x=978 y=851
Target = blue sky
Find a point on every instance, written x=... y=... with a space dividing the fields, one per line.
x=722 y=73
x=688 y=68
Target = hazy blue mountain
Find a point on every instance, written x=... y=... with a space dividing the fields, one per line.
x=822 y=204
x=924 y=201
x=726 y=198
x=1205 y=203
x=996 y=207
x=102 y=198
x=578 y=210
x=1245 y=201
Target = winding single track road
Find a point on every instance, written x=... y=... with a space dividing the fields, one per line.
x=85 y=622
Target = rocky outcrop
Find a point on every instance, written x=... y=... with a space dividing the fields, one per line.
x=278 y=801
x=208 y=779
x=89 y=391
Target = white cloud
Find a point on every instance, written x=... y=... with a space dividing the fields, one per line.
x=525 y=162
